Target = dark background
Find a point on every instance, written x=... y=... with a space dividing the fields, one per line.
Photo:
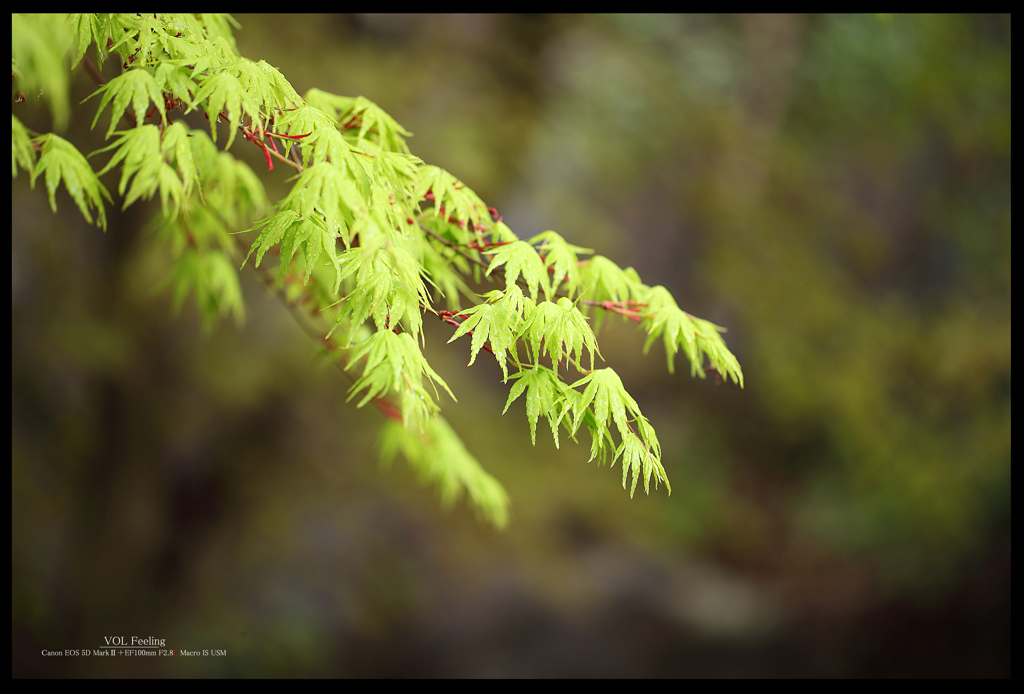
x=834 y=190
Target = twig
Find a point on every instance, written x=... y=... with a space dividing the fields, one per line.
x=453 y=246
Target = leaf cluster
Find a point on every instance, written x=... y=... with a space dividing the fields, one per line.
x=368 y=239
x=394 y=363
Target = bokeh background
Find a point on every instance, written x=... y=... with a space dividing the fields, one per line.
x=833 y=189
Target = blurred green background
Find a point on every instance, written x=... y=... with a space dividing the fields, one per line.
x=834 y=190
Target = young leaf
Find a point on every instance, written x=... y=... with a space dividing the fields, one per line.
x=520 y=258
x=187 y=42
x=444 y=269
x=640 y=459
x=86 y=27
x=310 y=236
x=695 y=336
x=146 y=159
x=226 y=95
x=230 y=187
x=362 y=116
x=394 y=363
x=604 y=280
x=387 y=287
x=561 y=259
x=265 y=85
x=274 y=229
x=61 y=161
x=545 y=393
x=641 y=451
x=135 y=87
x=143 y=42
x=497 y=321
x=307 y=122
x=557 y=328
x=453 y=199
x=327 y=191
x=217 y=27
x=610 y=399
x=175 y=79
x=212 y=277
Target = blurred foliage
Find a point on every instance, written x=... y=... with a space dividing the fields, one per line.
x=834 y=189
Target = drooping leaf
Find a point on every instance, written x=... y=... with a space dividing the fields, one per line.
x=696 y=337
x=394 y=364
x=22 y=151
x=265 y=84
x=135 y=88
x=327 y=190
x=610 y=400
x=440 y=457
x=230 y=187
x=453 y=199
x=639 y=447
x=176 y=80
x=61 y=161
x=640 y=459
x=308 y=122
x=225 y=94
x=444 y=269
x=361 y=116
x=559 y=329
x=545 y=395
x=521 y=259
x=273 y=229
x=142 y=154
x=217 y=27
x=87 y=28
x=496 y=321
x=212 y=278
x=184 y=39
x=177 y=151
x=388 y=286
x=144 y=42
x=561 y=259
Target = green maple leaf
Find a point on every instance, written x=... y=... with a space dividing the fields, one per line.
x=696 y=337
x=545 y=392
x=561 y=258
x=137 y=88
x=497 y=321
x=60 y=161
x=521 y=259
